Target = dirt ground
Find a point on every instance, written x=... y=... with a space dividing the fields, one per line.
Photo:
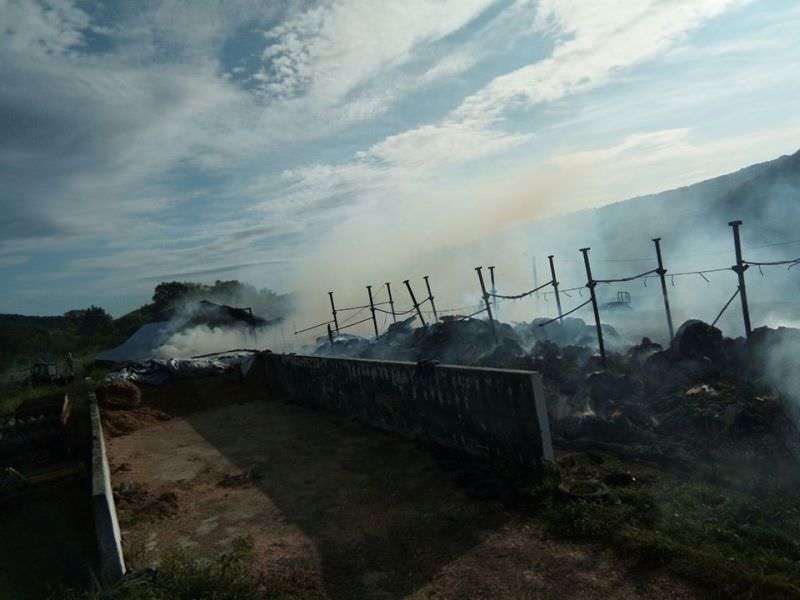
x=339 y=510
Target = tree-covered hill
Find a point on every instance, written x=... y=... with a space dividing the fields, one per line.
x=85 y=331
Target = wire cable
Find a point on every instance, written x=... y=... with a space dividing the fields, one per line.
x=356 y=323
x=523 y=294
x=776 y=263
x=313 y=327
x=724 y=308
x=565 y=314
x=623 y=279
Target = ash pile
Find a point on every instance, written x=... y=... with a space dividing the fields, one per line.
x=704 y=396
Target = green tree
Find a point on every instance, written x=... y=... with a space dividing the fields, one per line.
x=95 y=320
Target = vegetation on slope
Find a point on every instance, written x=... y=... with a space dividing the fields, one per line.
x=87 y=331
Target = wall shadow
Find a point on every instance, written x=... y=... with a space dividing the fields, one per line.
x=384 y=513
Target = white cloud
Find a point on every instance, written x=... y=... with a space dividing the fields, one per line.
x=329 y=50
x=450 y=65
x=595 y=41
x=54 y=26
x=600 y=39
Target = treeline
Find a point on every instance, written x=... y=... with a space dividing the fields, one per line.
x=85 y=331
x=23 y=338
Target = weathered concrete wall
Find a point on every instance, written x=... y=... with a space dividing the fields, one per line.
x=490 y=412
x=109 y=539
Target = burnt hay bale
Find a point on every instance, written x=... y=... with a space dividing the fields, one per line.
x=118 y=395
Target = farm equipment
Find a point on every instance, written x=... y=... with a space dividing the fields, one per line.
x=45 y=371
x=36 y=447
x=623 y=301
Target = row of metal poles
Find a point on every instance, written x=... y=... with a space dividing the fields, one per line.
x=490 y=296
x=591 y=283
x=375 y=308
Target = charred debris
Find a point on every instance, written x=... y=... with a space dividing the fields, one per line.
x=704 y=396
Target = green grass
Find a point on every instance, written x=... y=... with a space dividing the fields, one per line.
x=734 y=543
x=181 y=577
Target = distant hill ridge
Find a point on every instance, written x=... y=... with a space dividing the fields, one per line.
x=766 y=196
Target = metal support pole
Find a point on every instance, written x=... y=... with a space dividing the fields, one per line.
x=555 y=287
x=372 y=309
x=333 y=312
x=494 y=288
x=414 y=301
x=739 y=268
x=591 y=284
x=661 y=274
x=430 y=297
x=486 y=302
x=391 y=302
x=330 y=334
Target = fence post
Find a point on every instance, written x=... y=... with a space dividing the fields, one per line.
x=430 y=297
x=333 y=312
x=591 y=284
x=555 y=286
x=414 y=301
x=486 y=302
x=494 y=289
x=391 y=302
x=372 y=309
x=661 y=274
x=739 y=268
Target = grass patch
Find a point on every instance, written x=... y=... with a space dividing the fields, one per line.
x=181 y=577
x=734 y=543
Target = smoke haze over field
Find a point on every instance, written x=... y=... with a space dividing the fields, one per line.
x=409 y=241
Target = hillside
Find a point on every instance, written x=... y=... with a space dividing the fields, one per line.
x=764 y=196
x=86 y=331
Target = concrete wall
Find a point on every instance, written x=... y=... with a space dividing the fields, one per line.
x=490 y=412
x=109 y=539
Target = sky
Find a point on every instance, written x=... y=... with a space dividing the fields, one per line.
x=279 y=142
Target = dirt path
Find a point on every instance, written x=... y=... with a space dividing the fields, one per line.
x=339 y=510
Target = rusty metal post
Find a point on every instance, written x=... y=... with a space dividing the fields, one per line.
x=333 y=312
x=414 y=301
x=591 y=284
x=391 y=302
x=430 y=297
x=486 y=302
x=494 y=288
x=661 y=274
x=372 y=309
x=739 y=268
x=554 y=282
